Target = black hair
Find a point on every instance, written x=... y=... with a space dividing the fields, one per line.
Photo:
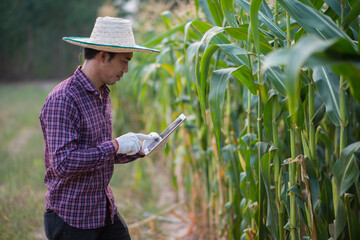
x=90 y=53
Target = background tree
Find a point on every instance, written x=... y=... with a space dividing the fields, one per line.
x=31 y=46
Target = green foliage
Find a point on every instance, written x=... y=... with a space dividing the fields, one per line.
x=288 y=71
x=32 y=46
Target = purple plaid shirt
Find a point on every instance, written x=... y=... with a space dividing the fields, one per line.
x=79 y=157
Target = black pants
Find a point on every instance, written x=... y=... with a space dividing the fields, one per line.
x=57 y=229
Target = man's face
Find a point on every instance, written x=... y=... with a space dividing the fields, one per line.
x=113 y=70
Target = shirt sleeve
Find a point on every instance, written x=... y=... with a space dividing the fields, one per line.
x=123 y=158
x=61 y=120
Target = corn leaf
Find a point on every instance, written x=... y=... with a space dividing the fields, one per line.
x=238 y=33
x=268 y=22
x=204 y=6
x=187 y=31
x=352 y=15
x=313 y=21
x=340 y=220
x=192 y=51
x=243 y=74
x=267 y=115
x=265 y=9
x=218 y=83
x=306 y=50
x=334 y=52
x=303 y=50
x=346 y=170
x=317 y=4
x=271 y=222
x=351 y=72
x=321 y=228
x=319 y=115
x=254 y=21
x=215 y=10
x=237 y=54
x=305 y=145
x=346 y=173
x=227 y=7
x=204 y=70
x=277 y=78
x=214 y=35
x=276 y=58
x=327 y=84
x=353 y=220
x=334 y=6
x=156 y=40
x=204 y=29
x=241 y=33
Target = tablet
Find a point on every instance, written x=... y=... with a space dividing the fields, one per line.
x=165 y=134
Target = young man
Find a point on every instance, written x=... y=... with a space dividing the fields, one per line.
x=79 y=150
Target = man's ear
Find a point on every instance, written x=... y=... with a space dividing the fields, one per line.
x=102 y=56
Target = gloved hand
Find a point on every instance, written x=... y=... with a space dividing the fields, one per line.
x=154 y=136
x=130 y=143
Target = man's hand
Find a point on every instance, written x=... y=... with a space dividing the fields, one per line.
x=154 y=137
x=130 y=143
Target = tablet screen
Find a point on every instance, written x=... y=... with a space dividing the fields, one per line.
x=164 y=135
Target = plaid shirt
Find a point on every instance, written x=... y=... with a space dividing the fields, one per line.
x=79 y=156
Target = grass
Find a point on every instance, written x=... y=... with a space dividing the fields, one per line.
x=21 y=168
x=136 y=188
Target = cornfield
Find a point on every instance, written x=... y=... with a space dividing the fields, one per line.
x=271 y=147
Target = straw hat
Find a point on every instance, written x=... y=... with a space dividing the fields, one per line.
x=111 y=35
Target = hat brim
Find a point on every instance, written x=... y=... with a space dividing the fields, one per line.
x=86 y=42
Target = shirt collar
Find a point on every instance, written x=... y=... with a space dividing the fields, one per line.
x=86 y=83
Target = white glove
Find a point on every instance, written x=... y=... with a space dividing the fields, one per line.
x=130 y=143
x=155 y=137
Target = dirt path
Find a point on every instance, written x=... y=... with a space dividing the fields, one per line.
x=172 y=222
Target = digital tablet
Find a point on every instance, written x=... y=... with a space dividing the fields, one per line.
x=165 y=134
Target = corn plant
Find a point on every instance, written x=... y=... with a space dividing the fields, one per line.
x=271 y=146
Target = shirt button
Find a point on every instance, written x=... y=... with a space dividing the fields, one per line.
x=97 y=93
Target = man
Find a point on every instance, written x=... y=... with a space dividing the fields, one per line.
x=79 y=152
